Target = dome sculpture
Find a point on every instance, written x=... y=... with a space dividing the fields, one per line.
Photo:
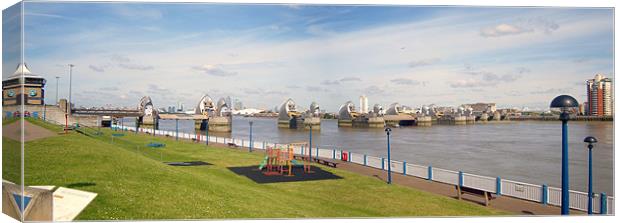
x=469 y=111
x=205 y=106
x=314 y=110
x=347 y=111
x=222 y=108
x=378 y=109
x=394 y=109
x=146 y=106
x=425 y=110
x=287 y=110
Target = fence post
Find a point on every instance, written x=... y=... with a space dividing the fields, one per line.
x=341 y=152
x=404 y=167
x=382 y=163
x=545 y=194
x=317 y=152
x=365 y=160
x=498 y=186
x=460 y=178
x=603 y=203
x=333 y=154
x=430 y=173
x=349 y=156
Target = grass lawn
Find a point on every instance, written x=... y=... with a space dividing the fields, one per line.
x=132 y=183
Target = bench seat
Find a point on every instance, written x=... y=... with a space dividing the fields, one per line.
x=476 y=192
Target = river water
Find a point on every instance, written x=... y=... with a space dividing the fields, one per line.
x=526 y=151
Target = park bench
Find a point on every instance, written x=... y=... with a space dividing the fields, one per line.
x=327 y=162
x=232 y=144
x=319 y=161
x=476 y=192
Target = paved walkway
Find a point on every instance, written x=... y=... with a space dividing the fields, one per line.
x=514 y=205
x=31 y=131
x=505 y=203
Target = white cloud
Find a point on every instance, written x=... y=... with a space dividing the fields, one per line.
x=405 y=81
x=96 y=68
x=423 y=62
x=215 y=70
x=521 y=26
x=502 y=30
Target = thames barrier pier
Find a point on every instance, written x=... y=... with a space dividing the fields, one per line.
x=221 y=121
x=150 y=119
x=312 y=118
x=349 y=117
x=290 y=117
x=346 y=114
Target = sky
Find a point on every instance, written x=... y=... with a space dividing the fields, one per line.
x=264 y=54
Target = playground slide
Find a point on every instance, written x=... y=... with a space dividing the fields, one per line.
x=263 y=163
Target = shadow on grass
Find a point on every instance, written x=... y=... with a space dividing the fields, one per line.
x=81 y=184
x=254 y=174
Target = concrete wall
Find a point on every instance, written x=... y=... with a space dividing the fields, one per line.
x=51 y=113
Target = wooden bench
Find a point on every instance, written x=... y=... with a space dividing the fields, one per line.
x=327 y=163
x=319 y=161
x=476 y=192
x=233 y=145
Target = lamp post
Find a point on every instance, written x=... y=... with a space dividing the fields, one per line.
x=207 y=128
x=310 y=145
x=389 y=162
x=56 y=102
x=591 y=141
x=564 y=103
x=250 y=147
x=70 y=85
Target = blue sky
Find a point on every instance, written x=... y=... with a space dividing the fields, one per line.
x=263 y=54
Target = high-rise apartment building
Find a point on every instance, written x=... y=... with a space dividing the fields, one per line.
x=363 y=104
x=600 y=96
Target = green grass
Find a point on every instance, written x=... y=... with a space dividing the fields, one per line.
x=132 y=183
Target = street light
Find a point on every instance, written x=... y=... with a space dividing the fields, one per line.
x=310 y=145
x=389 y=162
x=207 y=128
x=564 y=103
x=591 y=141
x=70 y=84
x=251 y=123
x=57 y=77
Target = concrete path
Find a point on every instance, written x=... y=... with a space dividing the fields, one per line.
x=513 y=205
x=31 y=131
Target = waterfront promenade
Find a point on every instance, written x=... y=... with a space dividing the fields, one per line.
x=525 y=151
x=540 y=194
x=511 y=205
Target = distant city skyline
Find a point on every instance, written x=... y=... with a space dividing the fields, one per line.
x=263 y=54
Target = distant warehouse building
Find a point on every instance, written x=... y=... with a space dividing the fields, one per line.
x=600 y=96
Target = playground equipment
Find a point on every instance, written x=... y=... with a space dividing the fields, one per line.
x=306 y=157
x=279 y=160
x=156 y=145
